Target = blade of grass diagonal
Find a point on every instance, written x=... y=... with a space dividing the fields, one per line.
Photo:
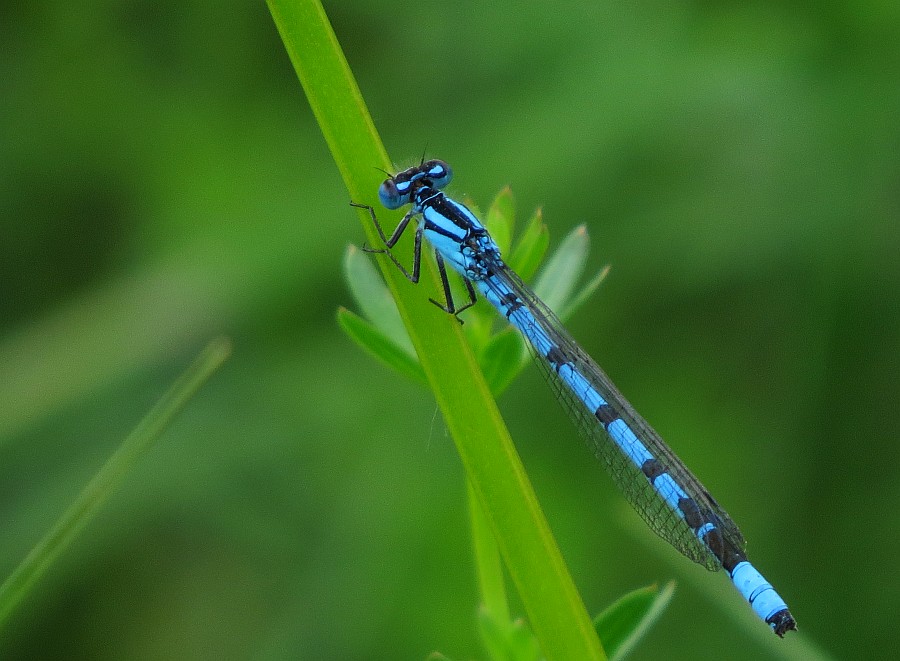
x=110 y=476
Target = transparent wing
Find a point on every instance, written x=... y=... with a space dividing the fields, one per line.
x=635 y=486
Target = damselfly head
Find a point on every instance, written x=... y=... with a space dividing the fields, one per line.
x=398 y=190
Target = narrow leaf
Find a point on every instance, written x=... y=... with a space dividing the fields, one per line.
x=624 y=623
x=372 y=340
x=502 y=359
x=584 y=294
x=558 y=277
x=529 y=250
x=110 y=476
x=501 y=219
x=374 y=298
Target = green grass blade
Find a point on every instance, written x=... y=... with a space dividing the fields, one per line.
x=495 y=472
x=110 y=476
x=491 y=585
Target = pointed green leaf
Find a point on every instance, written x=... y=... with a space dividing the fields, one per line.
x=559 y=275
x=372 y=340
x=501 y=218
x=529 y=250
x=584 y=293
x=625 y=622
x=374 y=299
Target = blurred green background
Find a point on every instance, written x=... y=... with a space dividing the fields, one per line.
x=162 y=180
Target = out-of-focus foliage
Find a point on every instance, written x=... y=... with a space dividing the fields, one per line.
x=162 y=180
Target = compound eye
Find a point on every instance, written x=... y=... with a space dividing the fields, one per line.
x=391 y=195
x=438 y=173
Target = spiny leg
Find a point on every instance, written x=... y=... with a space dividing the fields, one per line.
x=391 y=241
x=450 y=306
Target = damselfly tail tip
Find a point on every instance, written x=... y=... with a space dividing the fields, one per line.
x=782 y=622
